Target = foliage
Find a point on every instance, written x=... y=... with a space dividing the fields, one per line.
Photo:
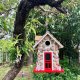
x=7 y=46
x=65 y=28
x=27 y=48
x=7 y=14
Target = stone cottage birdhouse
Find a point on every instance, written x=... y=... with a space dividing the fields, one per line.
x=47 y=47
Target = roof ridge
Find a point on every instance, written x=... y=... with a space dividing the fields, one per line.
x=48 y=33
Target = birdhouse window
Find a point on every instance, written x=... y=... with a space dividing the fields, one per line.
x=48 y=57
x=47 y=43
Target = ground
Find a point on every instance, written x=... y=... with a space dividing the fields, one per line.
x=3 y=70
x=24 y=74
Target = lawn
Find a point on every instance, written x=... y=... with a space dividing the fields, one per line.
x=3 y=70
x=25 y=73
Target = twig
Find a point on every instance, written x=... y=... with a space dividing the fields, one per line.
x=49 y=11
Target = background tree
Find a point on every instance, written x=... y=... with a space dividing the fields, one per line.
x=65 y=28
x=22 y=13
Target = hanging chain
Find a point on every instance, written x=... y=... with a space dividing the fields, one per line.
x=46 y=22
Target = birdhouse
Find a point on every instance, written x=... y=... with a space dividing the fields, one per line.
x=47 y=48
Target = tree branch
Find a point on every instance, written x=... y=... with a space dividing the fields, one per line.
x=61 y=9
x=45 y=10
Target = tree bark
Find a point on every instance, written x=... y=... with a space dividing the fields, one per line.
x=15 y=70
x=21 y=15
x=30 y=59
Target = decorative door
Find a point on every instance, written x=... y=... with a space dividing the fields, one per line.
x=48 y=60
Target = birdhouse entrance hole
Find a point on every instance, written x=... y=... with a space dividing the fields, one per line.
x=47 y=43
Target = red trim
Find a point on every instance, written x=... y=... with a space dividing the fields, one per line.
x=49 y=62
x=48 y=71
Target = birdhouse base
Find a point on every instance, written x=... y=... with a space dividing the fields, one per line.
x=48 y=71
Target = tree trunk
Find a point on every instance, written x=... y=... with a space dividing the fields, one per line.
x=22 y=13
x=15 y=70
x=30 y=59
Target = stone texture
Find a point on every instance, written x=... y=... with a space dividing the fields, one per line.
x=52 y=47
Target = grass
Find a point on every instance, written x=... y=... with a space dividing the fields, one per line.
x=27 y=72
x=27 y=76
x=3 y=70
